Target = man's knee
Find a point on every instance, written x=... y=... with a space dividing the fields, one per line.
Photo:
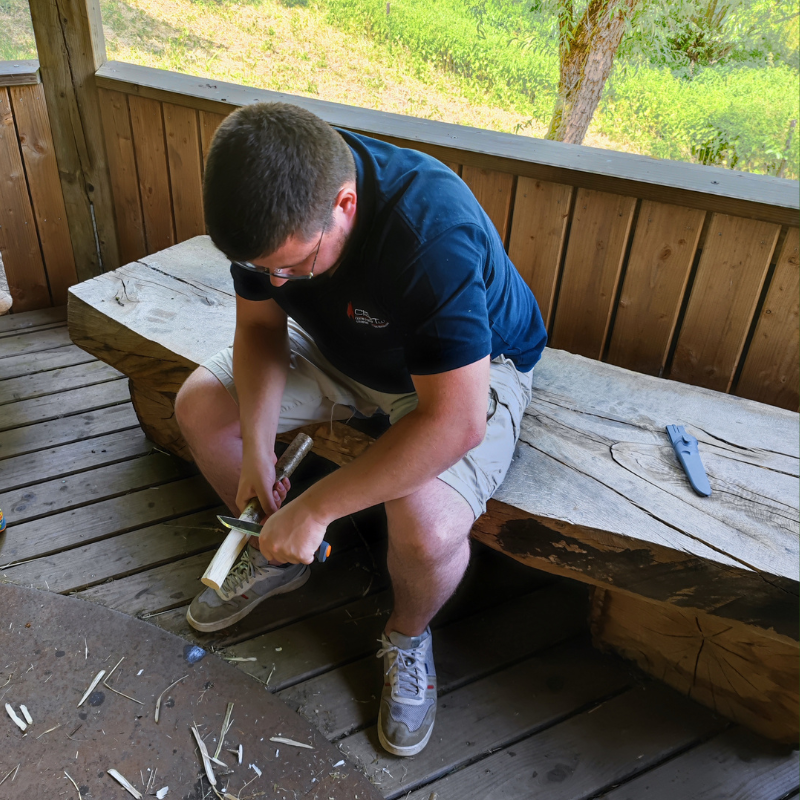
x=203 y=404
x=432 y=522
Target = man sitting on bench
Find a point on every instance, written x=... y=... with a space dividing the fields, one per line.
x=368 y=280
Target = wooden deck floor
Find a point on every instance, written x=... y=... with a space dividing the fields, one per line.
x=527 y=708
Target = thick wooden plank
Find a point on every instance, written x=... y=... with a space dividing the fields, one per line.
x=732 y=668
x=32 y=319
x=91 y=486
x=54 y=406
x=33 y=342
x=493 y=191
x=26 y=387
x=614 y=507
x=66 y=430
x=573 y=759
x=65 y=356
x=693 y=185
x=106 y=518
x=68 y=459
x=538 y=230
x=770 y=373
x=185 y=165
x=736 y=765
x=19 y=245
x=661 y=257
x=345 y=699
x=601 y=223
x=732 y=268
x=24 y=72
x=209 y=122
x=122 y=170
x=36 y=142
x=151 y=162
x=120 y=556
x=138 y=333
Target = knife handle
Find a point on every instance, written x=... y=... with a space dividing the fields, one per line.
x=285 y=466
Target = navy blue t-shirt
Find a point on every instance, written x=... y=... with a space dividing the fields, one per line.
x=425 y=285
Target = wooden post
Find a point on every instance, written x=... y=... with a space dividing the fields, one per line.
x=69 y=38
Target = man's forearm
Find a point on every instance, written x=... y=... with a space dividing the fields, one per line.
x=416 y=449
x=260 y=366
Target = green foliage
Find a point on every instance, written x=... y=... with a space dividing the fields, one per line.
x=735 y=113
x=16 y=31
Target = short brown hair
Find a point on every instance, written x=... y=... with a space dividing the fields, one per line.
x=273 y=171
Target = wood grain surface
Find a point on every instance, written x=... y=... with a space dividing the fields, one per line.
x=185 y=170
x=494 y=191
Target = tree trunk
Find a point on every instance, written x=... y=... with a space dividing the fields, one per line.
x=586 y=63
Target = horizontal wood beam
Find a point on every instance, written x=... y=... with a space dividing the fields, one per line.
x=19 y=73
x=727 y=191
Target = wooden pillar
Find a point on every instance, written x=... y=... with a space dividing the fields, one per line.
x=69 y=38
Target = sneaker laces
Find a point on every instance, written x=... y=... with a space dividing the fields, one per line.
x=241 y=573
x=406 y=671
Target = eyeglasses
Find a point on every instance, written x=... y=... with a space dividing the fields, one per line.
x=282 y=274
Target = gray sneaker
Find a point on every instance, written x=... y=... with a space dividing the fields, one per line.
x=251 y=580
x=408 y=700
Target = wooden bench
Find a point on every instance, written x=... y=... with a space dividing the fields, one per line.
x=701 y=592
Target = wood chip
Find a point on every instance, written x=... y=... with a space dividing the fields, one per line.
x=212 y=779
x=15 y=719
x=49 y=730
x=290 y=741
x=14 y=770
x=125 y=784
x=237 y=658
x=112 y=689
x=74 y=784
x=97 y=679
x=226 y=725
x=158 y=702
x=162 y=793
x=26 y=714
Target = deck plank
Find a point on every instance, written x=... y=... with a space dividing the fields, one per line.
x=27 y=387
x=70 y=459
x=61 y=494
x=574 y=759
x=73 y=401
x=736 y=765
x=57 y=432
x=65 y=356
x=80 y=526
x=34 y=342
x=345 y=699
x=120 y=556
x=32 y=319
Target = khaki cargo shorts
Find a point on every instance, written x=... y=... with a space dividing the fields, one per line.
x=318 y=392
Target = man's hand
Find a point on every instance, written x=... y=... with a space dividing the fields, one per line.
x=292 y=535
x=257 y=479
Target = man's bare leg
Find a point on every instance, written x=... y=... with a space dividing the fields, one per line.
x=428 y=553
x=209 y=421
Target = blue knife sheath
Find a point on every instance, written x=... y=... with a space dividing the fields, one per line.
x=685 y=446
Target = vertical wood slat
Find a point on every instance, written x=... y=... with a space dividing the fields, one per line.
x=601 y=225
x=124 y=180
x=185 y=170
x=453 y=166
x=19 y=244
x=209 y=122
x=770 y=373
x=726 y=289
x=538 y=230
x=44 y=185
x=659 y=264
x=493 y=191
x=71 y=48
x=151 y=162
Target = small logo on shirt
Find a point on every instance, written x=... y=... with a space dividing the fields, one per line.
x=362 y=317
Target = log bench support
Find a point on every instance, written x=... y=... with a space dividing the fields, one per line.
x=699 y=592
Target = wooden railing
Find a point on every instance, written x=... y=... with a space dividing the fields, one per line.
x=667 y=268
x=34 y=236
x=670 y=269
